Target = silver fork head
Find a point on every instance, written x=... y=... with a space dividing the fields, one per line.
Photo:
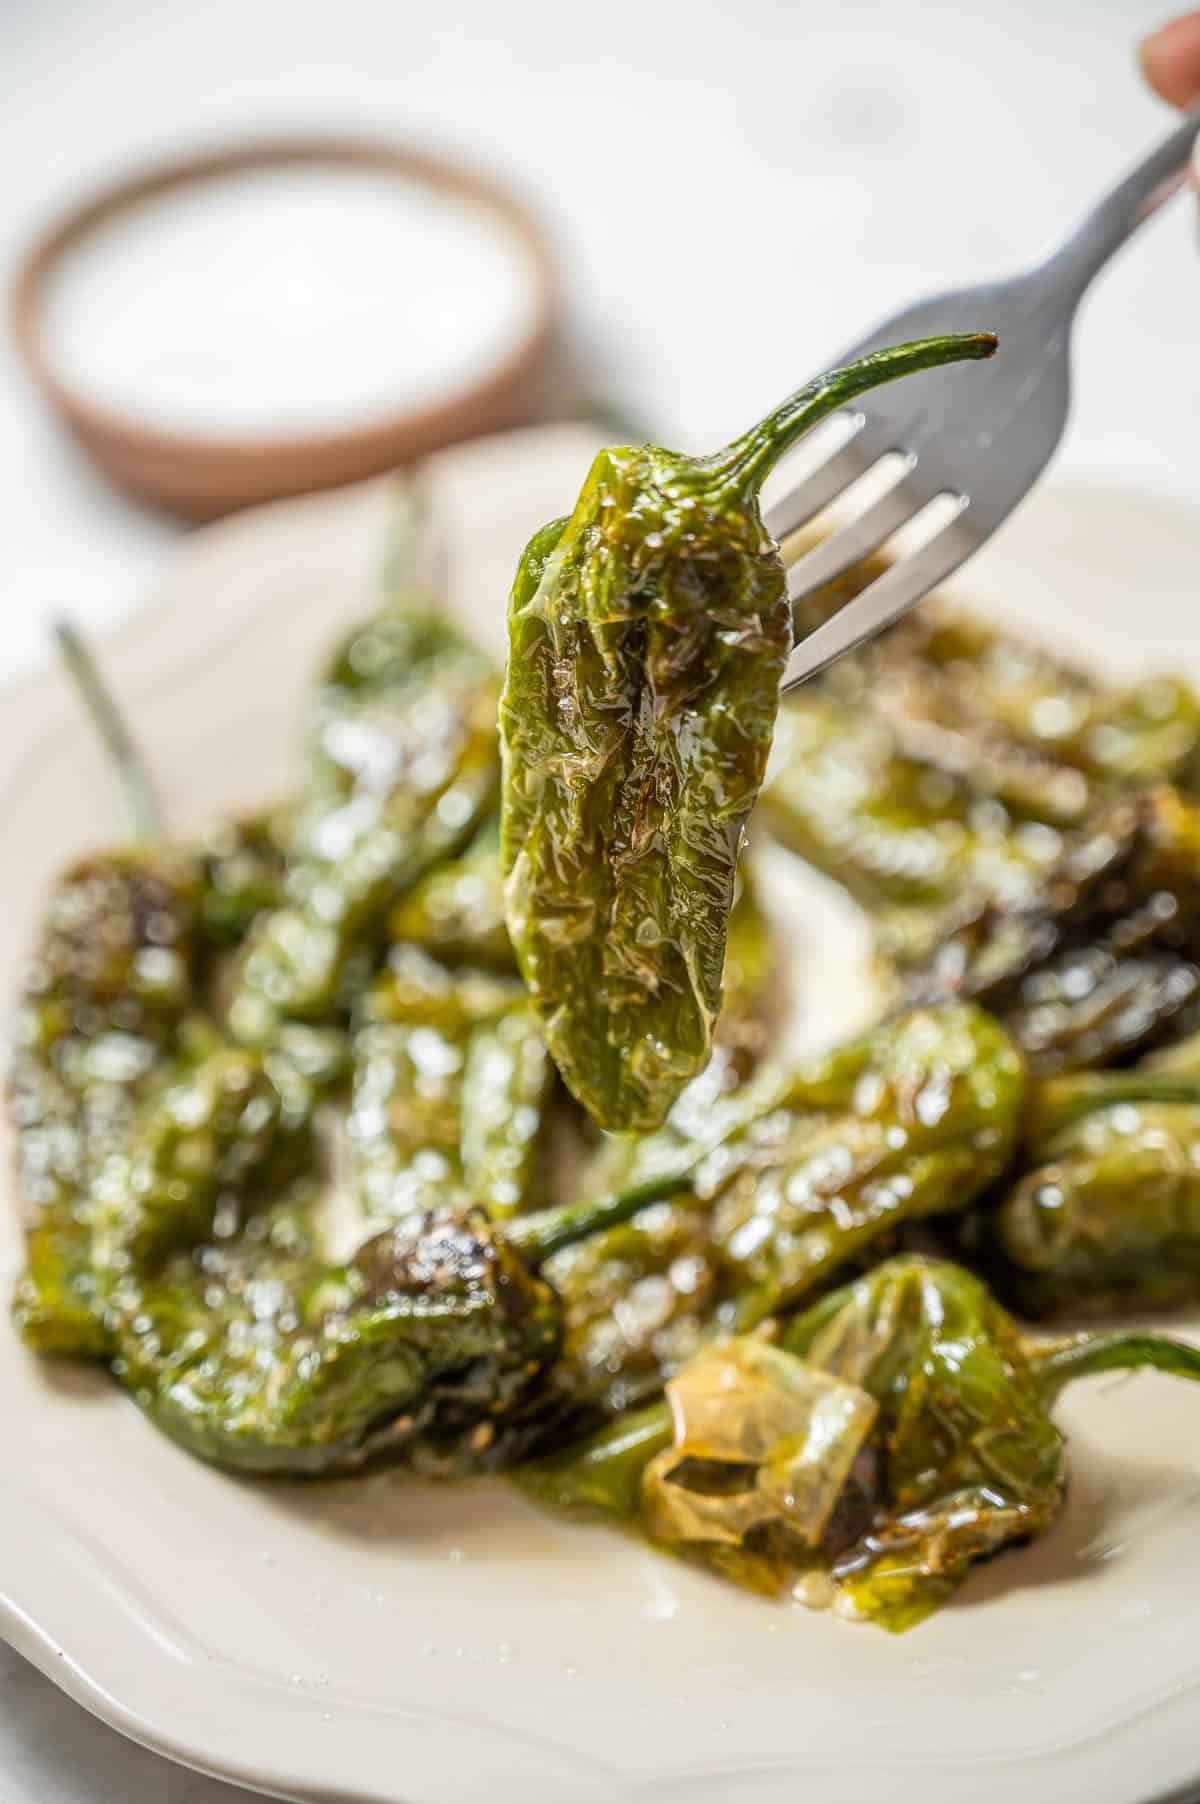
x=977 y=435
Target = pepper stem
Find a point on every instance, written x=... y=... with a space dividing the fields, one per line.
x=413 y=560
x=1056 y=1364
x=537 y=1236
x=133 y=778
x=751 y=457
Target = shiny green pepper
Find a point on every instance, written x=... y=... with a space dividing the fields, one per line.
x=647 y=638
x=1104 y=961
x=451 y=1091
x=816 y=1172
x=937 y=1424
x=113 y=976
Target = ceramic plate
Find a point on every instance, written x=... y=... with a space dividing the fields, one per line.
x=379 y=1640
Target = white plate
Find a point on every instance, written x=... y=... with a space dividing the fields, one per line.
x=380 y=1640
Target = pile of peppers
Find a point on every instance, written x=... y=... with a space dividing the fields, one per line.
x=434 y=1116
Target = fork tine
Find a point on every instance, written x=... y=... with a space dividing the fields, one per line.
x=881 y=603
x=851 y=543
x=823 y=485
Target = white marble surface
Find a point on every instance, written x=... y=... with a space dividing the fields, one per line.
x=738 y=191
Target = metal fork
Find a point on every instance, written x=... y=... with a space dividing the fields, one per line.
x=973 y=439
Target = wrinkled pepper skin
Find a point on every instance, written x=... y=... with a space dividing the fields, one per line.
x=647 y=637
x=824 y=1168
x=111 y=979
x=234 y=1332
x=405 y=768
x=971 y=1460
x=1104 y=962
x=905 y=839
x=721 y=1095
x=1024 y=727
x=208 y=1130
x=258 y=1356
x=451 y=1091
x=928 y=1119
x=962 y=1461
x=943 y=763
x=638 y=1300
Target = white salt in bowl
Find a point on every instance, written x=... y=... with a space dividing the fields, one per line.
x=275 y=318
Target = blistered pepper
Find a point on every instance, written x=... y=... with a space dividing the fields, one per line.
x=893 y=1434
x=647 y=638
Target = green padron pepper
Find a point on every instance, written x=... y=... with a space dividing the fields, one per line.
x=647 y=637
x=1109 y=1215
x=820 y=1173
x=456 y=910
x=245 y=873
x=891 y=1435
x=238 y=1334
x=113 y=975
x=907 y=840
x=1103 y=962
x=451 y=1091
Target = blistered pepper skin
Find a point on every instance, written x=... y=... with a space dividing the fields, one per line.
x=647 y=638
x=1103 y=962
x=813 y=1174
x=962 y=1461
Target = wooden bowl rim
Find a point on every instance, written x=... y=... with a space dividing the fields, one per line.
x=104 y=429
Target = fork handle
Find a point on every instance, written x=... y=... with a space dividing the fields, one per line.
x=1118 y=214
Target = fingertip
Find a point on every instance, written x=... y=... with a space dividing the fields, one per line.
x=1170 y=59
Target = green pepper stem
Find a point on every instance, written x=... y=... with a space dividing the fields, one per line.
x=412 y=551
x=1057 y=1102
x=1058 y=1363
x=750 y=458
x=604 y=1471
x=133 y=779
x=537 y=1236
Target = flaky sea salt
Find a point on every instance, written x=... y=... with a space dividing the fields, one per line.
x=284 y=301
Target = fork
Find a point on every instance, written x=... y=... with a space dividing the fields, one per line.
x=972 y=441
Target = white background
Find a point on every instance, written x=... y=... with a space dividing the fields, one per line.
x=738 y=190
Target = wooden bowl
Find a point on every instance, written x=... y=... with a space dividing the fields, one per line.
x=200 y=476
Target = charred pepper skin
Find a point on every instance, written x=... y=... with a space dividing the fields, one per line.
x=1104 y=962
x=113 y=976
x=1025 y=728
x=239 y=1338
x=647 y=638
x=235 y=1333
x=943 y=764
x=905 y=839
x=962 y=1460
x=260 y=1357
